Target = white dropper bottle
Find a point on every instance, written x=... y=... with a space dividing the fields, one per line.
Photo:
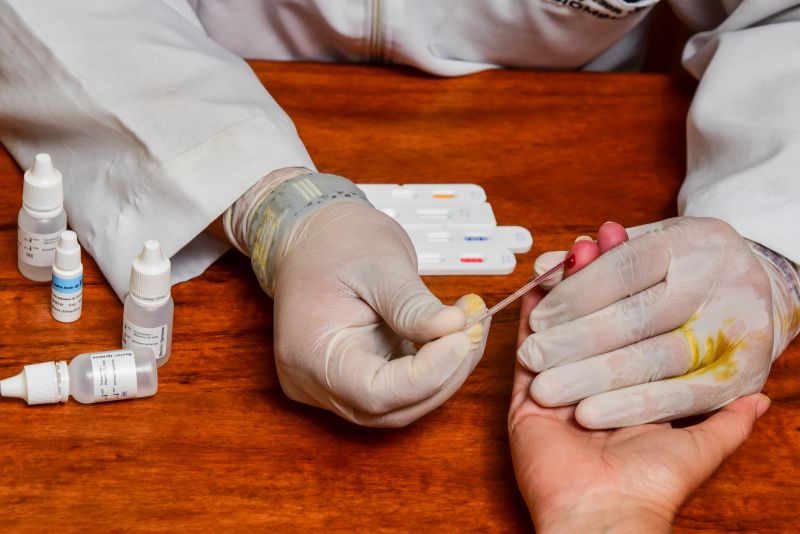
x=66 y=299
x=89 y=378
x=147 y=317
x=41 y=219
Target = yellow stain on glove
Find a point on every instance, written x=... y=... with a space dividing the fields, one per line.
x=473 y=306
x=715 y=356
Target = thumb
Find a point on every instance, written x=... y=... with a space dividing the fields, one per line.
x=397 y=293
x=544 y=263
x=722 y=433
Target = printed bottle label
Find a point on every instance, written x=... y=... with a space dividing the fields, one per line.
x=38 y=250
x=114 y=375
x=66 y=298
x=155 y=338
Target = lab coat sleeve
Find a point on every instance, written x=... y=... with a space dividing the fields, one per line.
x=156 y=128
x=743 y=127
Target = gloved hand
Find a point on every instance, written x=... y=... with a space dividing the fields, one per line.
x=348 y=306
x=690 y=299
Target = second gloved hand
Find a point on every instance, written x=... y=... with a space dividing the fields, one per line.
x=349 y=307
x=690 y=299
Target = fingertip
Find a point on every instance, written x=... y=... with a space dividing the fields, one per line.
x=588 y=416
x=545 y=390
x=762 y=405
x=540 y=319
x=547 y=261
x=610 y=235
x=473 y=307
x=584 y=252
x=472 y=304
x=757 y=402
x=529 y=356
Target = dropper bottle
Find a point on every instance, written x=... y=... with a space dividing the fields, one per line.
x=148 y=312
x=66 y=299
x=41 y=219
x=89 y=378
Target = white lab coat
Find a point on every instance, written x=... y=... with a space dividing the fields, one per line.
x=158 y=126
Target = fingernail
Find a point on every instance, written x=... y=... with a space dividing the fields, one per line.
x=472 y=305
x=762 y=405
x=475 y=333
x=583 y=238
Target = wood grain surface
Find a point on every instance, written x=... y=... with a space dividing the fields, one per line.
x=220 y=446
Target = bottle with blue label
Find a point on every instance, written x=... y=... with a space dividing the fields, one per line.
x=66 y=299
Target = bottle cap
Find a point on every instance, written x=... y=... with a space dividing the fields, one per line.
x=40 y=383
x=42 y=189
x=68 y=252
x=150 y=274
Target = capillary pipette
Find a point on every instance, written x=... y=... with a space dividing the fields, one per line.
x=568 y=262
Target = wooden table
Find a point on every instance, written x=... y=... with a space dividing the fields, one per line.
x=221 y=447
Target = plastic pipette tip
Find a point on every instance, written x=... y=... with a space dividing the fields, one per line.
x=568 y=262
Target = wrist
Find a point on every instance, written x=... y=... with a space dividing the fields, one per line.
x=616 y=519
x=235 y=221
x=273 y=220
x=784 y=281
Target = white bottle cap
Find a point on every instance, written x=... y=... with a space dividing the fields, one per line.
x=42 y=190
x=68 y=252
x=41 y=383
x=150 y=274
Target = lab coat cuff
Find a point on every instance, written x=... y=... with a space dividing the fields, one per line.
x=186 y=194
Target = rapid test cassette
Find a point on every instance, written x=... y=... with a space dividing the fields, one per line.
x=423 y=193
x=452 y=227
x=412 y=215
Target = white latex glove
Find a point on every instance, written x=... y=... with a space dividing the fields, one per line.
x=689 y=299
x=348 y=304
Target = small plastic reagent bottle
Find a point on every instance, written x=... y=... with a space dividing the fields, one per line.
x=147 y=317
x=41 y=219
x=92 y=377
x=66 y=299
